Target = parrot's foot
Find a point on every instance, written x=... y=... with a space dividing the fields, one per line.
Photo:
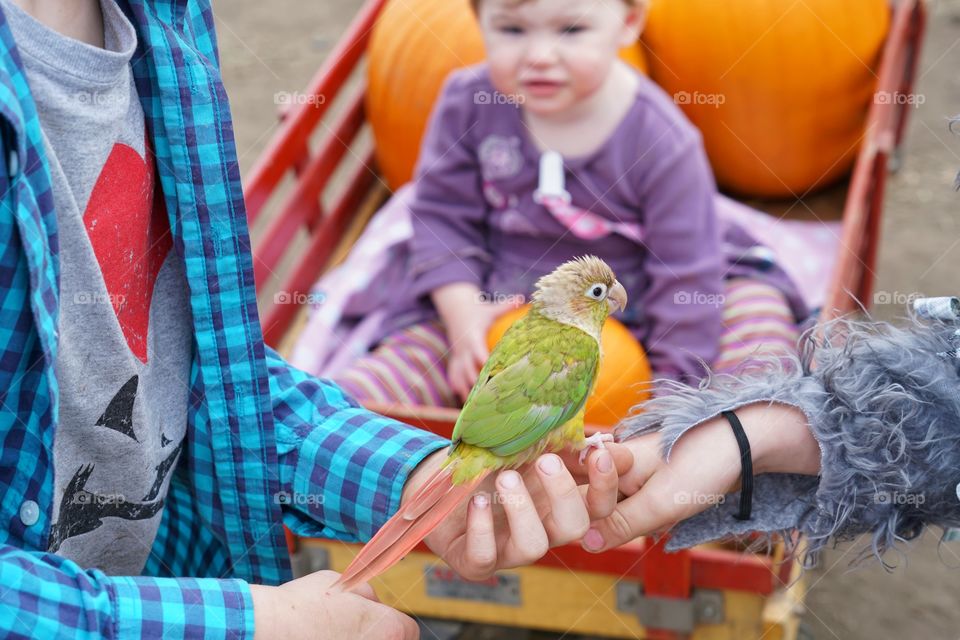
x=594 y=442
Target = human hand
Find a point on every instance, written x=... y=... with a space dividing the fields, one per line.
x=704 y=466
x=467 y=333
x=515 y=517
x=303 y=610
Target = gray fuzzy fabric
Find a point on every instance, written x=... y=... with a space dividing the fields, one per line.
x=884 y=406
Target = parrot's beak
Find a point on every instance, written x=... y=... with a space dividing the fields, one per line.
x=617 y=297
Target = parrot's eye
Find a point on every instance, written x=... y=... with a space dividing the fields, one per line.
x=597 y=291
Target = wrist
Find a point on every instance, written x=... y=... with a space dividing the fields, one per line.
x=421 y=473
x=781 y=440
x=264 y=612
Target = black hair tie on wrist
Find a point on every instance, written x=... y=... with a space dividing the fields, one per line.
x=746 y=463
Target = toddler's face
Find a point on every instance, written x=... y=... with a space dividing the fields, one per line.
x=554 y=53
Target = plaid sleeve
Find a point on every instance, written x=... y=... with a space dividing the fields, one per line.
x=342 y=467
x=182 y=608
x=47 y=596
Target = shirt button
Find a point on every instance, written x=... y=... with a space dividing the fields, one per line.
x=13 y=163
x=29 y=513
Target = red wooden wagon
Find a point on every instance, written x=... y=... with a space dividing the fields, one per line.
x=308 y=198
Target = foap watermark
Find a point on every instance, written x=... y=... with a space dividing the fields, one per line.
x=301 y=499
x=290 y=98
x=495 y=297
x=899 y=498
x=298 y=298
x=100 y=499
x=898 y=97
x=96 y=297
x=495 y=97
x=898 y=298
x=512 y=500
x=714 y=100
x=699 y=298
x=698 y=498
x=100 y=98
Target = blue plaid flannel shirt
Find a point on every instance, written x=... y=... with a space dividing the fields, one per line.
x=258 y=429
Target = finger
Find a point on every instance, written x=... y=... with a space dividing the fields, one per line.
x=622 y=461
x=472 y=374
x=480 y=356
x=464 y=384
x=479 y=348
x=528 y=540
x=567 y=518
x=662 y=502
x=456 y=380
x=480 y=559
x=601 y=496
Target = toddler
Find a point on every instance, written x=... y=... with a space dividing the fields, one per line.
x=551 y=149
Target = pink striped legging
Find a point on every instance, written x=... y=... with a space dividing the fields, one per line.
x=410 y=366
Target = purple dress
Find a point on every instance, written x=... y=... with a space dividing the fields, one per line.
x=475 y=219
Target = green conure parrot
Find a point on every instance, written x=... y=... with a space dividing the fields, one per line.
x=529 y=398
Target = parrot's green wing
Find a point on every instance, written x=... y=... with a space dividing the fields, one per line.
x=537 y=378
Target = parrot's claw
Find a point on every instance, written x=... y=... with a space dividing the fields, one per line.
x=594 y=442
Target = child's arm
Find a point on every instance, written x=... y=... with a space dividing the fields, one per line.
x=467 y=319
x=881 y=408
x=466 y=325
x=48 y=596
x=682 y=304
x=449 y=257
x=448 y=210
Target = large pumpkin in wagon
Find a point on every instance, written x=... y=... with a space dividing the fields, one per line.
x=780 y=89
x=415 y=44
x=625 y=377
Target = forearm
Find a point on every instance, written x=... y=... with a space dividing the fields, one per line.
x=50 y=596
x=780 y=439
x=345 y=478
x=881 y=404
x=342 y=467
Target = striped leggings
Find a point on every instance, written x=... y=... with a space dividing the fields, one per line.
x=410 y=366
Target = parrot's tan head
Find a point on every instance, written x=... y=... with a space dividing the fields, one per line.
x=581 y=292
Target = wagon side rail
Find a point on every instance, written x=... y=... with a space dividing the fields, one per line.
x=855 y=268
x=289 y=154
x=671 y=576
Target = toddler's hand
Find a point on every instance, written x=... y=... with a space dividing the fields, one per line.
x=468 y=352
x=467 y=320
x=468 y=343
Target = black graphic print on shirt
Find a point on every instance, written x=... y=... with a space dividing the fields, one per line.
x=82 y=511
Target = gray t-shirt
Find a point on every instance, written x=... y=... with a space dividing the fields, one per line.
x=125 y=324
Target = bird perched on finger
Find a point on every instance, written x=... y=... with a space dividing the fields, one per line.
x=528 y=399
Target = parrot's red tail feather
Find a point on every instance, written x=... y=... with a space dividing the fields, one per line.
x=433 y=502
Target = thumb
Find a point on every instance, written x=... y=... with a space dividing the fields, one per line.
x=635 y=516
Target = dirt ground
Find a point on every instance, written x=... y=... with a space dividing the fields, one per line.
x=277 y=46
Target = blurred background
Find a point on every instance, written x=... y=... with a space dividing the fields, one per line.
x=274 y=47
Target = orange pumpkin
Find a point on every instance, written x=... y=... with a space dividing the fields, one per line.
x=779 y=89
x=624 y=378
x=415 y=44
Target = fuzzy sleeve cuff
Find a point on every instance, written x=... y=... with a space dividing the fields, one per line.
x=884 y=406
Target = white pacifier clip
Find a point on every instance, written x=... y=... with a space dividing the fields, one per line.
x=552 y=181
